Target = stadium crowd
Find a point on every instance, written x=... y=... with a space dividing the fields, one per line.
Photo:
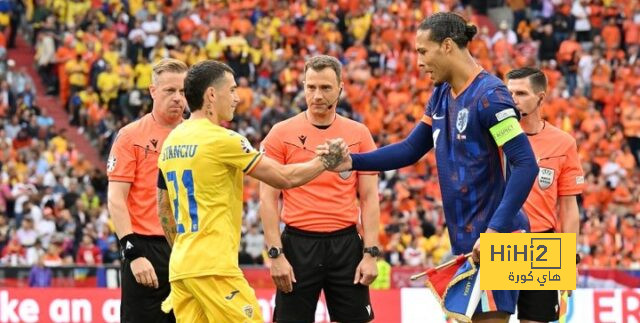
x=96 y=56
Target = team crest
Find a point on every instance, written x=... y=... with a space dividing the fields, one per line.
x=463 y=119
x=545 y=177
x=346 y=174
x=111 y=164
x=248 y=311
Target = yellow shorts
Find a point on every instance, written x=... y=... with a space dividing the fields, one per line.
x=214 y=299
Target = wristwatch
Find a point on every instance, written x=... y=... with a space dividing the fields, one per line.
x=274 y=252
x=373 y=251
x=578 y=258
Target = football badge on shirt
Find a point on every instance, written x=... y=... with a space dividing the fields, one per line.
x=461 y=123
x=463 y=119
x=545 y=177
x=111 y=164
x=248 y=311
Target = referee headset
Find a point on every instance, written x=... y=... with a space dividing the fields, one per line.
x=335 y=103
x=537 y=107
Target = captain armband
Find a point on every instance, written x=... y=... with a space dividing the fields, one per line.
x=505 y=130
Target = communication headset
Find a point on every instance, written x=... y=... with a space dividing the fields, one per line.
x=335 y=103
x=534 y=110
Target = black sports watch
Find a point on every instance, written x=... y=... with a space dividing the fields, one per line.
x=373 y=251
x=274 y=252
x=578 y=258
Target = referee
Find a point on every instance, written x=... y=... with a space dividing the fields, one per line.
x=132 y=169
x=551 y=205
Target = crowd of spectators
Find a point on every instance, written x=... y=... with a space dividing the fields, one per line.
x=96 y=56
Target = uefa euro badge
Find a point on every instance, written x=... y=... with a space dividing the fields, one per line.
x=545 y=177
x=463 y=118
x=345 y=174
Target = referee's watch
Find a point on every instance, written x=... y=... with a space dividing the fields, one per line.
x=274 y=252
x=373 y=251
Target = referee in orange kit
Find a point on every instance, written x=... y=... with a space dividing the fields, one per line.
x=133 y=173
x=559 y=181
x=320 y=248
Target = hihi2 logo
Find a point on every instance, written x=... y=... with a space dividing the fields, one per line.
x=518 y=261
x=538 y=253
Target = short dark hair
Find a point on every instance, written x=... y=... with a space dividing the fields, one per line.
x=199 y=78
x=445 y=25
x=536 y=77
x=320 y=62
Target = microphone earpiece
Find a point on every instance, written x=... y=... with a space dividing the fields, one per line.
x=335 y=103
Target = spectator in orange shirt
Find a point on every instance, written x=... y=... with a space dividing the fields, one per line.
x=611 y=34
x=246 y=96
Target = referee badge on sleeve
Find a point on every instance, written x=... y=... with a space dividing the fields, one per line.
x=345 y=175
x=545 y=177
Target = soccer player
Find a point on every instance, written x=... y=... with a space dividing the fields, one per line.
x=559 y=181
x=132 y=168
x=320 y=248
x=472 y=123
x=200 y=177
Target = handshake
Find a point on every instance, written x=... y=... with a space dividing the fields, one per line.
x=334 y=154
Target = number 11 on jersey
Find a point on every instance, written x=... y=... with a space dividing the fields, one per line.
x=187 y=182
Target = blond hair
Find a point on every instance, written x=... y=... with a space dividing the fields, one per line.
x=167 y=65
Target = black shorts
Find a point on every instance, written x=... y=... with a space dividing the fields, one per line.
x=323 y=261
x=141 y=304
x=538 y=305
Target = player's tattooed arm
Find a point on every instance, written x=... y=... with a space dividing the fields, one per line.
x=166 y=216
x=332 y=153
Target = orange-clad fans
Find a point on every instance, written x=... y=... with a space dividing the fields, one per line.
x=265 y=41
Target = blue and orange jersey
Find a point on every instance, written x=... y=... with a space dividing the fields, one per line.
x=468 y=131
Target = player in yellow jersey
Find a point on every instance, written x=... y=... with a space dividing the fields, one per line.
x=201 y=168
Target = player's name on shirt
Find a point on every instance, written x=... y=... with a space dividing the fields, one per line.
x=179 y=151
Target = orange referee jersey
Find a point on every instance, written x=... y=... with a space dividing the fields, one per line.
x=329 y=202
x=560 y=175
x=134 y=159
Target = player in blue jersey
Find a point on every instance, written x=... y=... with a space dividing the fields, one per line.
x=472 y=123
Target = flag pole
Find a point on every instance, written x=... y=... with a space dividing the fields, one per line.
x=446 y=264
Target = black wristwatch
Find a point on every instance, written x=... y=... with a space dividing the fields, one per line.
x=274 y=252
x=373 y=251
x=578 y=258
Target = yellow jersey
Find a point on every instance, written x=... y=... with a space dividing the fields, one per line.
x=202 y=166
